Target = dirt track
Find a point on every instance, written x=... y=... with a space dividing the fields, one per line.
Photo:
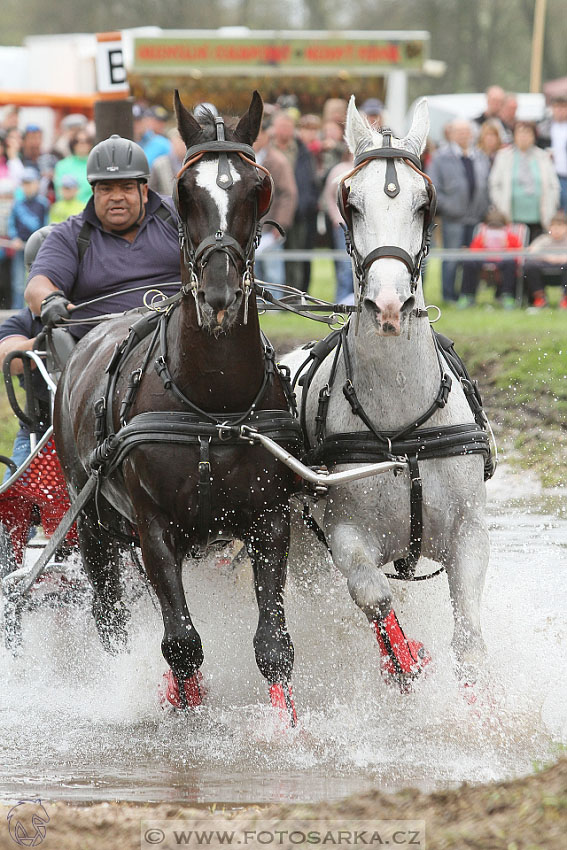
x=527 y=814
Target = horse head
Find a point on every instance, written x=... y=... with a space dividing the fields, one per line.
x=388 y=204
x=220 y=194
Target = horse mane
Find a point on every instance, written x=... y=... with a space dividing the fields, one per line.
x=208 y=127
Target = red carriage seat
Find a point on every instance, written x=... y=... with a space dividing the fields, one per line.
x=39 y=496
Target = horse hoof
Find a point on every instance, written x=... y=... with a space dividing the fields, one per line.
x=405 y=678
x=170 y=695
x=402 y=659
x=281 y=698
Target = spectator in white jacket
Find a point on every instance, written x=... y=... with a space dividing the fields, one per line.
x=523 y=184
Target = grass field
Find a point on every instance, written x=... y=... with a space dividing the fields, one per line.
x=518 y=358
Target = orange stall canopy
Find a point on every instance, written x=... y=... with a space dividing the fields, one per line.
x=66 y=102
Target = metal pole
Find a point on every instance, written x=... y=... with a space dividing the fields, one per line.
x=113 y=116
x=537 y=45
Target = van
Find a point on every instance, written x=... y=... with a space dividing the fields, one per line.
x=446 y=107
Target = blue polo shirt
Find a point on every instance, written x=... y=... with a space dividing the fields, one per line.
x=111 y=264
x=22 y=323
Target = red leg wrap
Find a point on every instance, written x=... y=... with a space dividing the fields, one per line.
x=169 y=690
x=281 y=698
x=400 y=657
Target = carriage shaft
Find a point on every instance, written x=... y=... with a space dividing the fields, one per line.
x=320 y=478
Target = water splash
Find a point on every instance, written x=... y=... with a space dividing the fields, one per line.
x=79 y=724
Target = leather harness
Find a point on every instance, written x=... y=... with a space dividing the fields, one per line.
x=192 y=426
x=411 y=442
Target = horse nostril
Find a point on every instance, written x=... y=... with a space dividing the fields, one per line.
x=372 y=305
x=408 y=304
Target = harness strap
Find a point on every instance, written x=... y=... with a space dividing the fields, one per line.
x=350 y=394
x=317 y=355
x=325 y=397
x=169 y=384
x=426 y=443
x=220 y=146
x=177 y=428
x=408 y=442
x=386 y=152
x=135 y=379
x=85 y=233
x=405 y=567
x=204 y=490
x=219 y=242
x=389 y=251
x=84 y=239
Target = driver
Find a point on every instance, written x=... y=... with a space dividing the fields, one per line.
x=125 y=237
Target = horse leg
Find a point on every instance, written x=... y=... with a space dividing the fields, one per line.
x=402 y=659
x=181 y=645
x=100 y=560
x=466 y=565
x=268 y=548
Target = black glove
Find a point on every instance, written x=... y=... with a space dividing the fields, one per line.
x=53 y=309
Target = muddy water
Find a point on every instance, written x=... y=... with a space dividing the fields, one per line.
x=77 y=724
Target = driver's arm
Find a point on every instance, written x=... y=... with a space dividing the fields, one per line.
x=38 y=288
x=15 y=343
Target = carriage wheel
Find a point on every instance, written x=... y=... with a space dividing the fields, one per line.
x=11 y=607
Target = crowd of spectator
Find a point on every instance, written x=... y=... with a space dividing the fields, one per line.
x=507 y=175
x=38 y=185
x=502 y=184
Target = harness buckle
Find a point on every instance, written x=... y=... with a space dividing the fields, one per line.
x=219 y=235
x=444 y=390
x=100 y=414
x=163 y=371
x=194 y=291
x=227 y=431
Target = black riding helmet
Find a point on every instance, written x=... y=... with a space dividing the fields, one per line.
x=118 y=159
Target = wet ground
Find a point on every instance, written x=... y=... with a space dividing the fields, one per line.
x=79 y=725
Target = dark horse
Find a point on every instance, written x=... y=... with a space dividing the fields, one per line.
x=172 y=464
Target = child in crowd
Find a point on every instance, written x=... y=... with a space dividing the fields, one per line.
x=69 y=203
x=494 y=234
x=548 y=268
x=28 y=215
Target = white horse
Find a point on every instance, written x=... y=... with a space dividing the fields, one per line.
x=390 y=370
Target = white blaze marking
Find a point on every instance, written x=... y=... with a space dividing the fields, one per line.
x=207 y=179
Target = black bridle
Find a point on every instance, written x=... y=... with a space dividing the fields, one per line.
x=196 y=258
x=391 y=188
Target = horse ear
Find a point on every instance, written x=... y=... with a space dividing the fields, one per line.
x=357 y=129
x=419 y=130
x=249 y=125
x=189 y=128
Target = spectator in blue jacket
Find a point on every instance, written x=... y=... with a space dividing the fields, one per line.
x=28 y=215
x=153 y=141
